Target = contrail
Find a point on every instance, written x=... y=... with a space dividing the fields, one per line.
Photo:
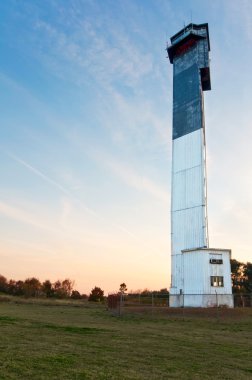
x=50 y=181
x=67 y=192
x=38 y=173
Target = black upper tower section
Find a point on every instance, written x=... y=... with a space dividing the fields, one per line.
x=186 y=38
x=189 y=54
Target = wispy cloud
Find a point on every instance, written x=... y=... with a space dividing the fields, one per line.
x=64 y=235
x=137 y=119
x=88 y=47
x=52 y=182
x=66 y=209
x=126 y=174
x=24 y=244
x=115 y=62
x=73 y=197
x=130 y=176
x=20 y=215
x=241 y=12
x=133 y=179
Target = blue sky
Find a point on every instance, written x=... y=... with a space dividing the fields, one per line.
x=85 y=137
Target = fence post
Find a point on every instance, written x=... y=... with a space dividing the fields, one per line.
x=217 y=313
x=120 y=304
x=152 y=302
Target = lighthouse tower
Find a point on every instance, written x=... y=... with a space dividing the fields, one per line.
x=200 y=275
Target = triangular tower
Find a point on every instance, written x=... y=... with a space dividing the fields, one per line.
x=200 y=275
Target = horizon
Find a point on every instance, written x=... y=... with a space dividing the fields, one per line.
x=86 y=107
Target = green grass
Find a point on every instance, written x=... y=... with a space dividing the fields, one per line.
x=72 y=340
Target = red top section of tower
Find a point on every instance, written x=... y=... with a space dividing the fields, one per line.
x=186 y=38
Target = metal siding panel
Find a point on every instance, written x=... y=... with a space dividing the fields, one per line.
x=183 y=62
x=187 y=151
x=177 y=273
x=193 y=273
x=188 y=188
x=188 y=229
x=188 y=206
x=187 y=115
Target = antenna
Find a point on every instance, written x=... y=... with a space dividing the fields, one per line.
x=166 y=40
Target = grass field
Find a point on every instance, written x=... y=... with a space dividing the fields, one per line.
x=57 y=340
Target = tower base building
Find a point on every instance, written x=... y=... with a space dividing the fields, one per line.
x=201 y=276
x=206 y=280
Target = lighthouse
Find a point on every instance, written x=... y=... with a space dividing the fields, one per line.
x=200 y=276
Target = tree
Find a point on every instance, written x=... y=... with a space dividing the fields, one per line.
x=236 y=275
x=75 y=295
x=248 y=277
x=32 y=287
x=47 y=288
x=57 y=289
x=146 y=292
x=163 y=291
x=63 y=289
x=11 y=287
x=3 y=284
x=67 y=286
x=96 y=295
x=19 y=288
x=123 y=288
x=241 y=276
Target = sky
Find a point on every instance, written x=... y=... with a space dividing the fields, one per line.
x=85 y=137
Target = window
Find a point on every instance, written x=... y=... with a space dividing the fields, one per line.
x=216 y=261
x=217 y=281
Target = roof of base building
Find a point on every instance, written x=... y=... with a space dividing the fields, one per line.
x=206 y=249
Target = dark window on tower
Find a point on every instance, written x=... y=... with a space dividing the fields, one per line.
x=216 y=261
x=217 y=281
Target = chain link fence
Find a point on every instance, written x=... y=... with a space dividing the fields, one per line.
x=156 y=303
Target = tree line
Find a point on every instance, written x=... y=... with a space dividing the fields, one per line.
x=32 y=287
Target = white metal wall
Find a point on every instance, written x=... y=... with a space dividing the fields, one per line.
x=188 y=206
x=195 y=279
